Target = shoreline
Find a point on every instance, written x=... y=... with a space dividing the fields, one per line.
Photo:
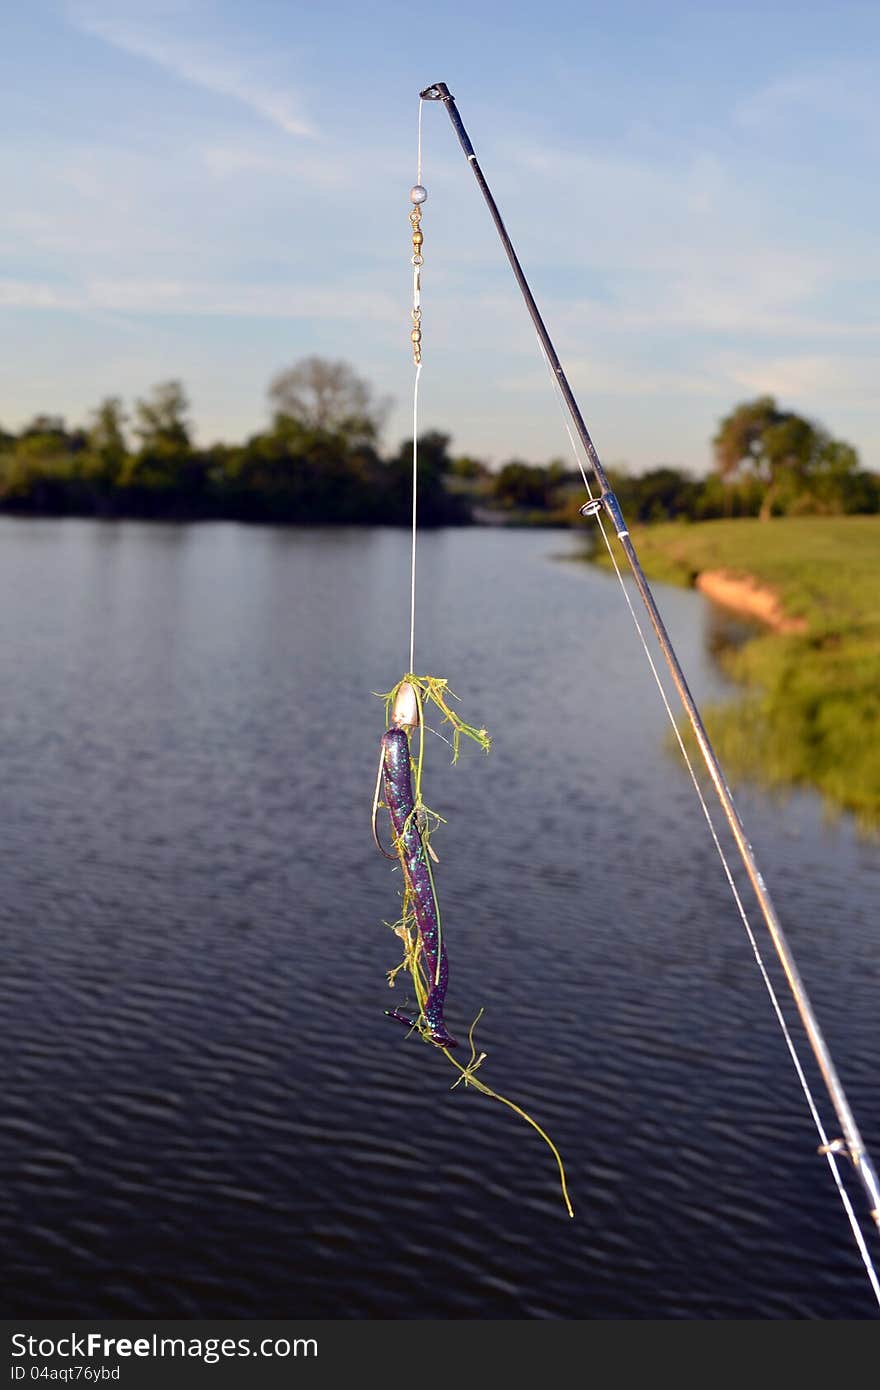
x=808 y=711
x=743 y=594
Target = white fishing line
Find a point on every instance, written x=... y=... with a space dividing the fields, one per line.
x=419 y=160
x=417 y=311
x=415 y=484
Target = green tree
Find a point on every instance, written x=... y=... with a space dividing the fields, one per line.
x=161 y=423
x=473 y=470
x=796 y=460
x=107 y=449
x=37 y=471
x=328 y=395
x=527 y=485
x=45 y=426
x=436 y=505
x=659 y=494
x=299 y=474
x=107 y=428
x=165 y=477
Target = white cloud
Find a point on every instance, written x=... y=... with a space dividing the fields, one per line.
x=231 y=160
x=205 y=298
x=692 y=244
x=224 y=75
x=34 y=294
x=812 y=379
x=840 y=91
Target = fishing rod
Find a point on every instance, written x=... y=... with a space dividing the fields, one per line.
x=851 y=1144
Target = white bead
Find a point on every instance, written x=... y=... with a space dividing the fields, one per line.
x=418 y=194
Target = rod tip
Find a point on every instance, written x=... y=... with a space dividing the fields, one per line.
x=438 y=92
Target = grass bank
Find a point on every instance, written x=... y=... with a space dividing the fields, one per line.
x=810 y=713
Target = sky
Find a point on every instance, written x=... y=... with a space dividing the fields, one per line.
x=210 y=191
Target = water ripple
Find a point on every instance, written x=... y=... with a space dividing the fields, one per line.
x=205 y=1112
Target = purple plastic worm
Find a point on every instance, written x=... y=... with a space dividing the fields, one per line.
x=397 y=782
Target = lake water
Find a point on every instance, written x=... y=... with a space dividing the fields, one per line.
x=204 y=1111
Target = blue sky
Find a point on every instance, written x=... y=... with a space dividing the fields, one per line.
x=210 y=191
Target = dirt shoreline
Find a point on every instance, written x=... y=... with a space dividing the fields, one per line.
x=745 y=595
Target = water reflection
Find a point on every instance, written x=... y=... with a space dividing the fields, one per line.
x=726 y=632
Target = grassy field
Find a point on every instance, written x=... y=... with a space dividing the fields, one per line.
x=810 y=714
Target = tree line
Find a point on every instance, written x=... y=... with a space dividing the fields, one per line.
x=765 y=462
x=319 y=462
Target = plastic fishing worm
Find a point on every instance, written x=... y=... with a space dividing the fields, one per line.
x=397 y=783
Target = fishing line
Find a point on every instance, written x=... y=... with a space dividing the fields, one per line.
x=415 y=485
x=419 y=158
x=416 y=199
x=418 y=195
x=826 y=1148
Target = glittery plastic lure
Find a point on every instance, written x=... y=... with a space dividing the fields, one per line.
x=399 y=782
x=413 y=853
x=410 y=842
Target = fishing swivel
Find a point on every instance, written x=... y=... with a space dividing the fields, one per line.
x=417 y=197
